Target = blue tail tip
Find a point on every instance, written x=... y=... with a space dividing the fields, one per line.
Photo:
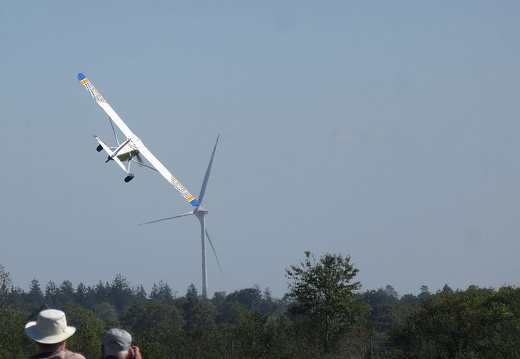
x=81 y=76
x=194 y=202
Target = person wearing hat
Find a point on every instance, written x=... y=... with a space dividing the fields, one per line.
x=117 y=344
x=50 y=332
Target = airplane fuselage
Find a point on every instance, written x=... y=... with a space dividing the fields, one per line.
x=127 y=153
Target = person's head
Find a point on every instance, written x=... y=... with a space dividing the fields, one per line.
x=116 y=343
x=50 y=330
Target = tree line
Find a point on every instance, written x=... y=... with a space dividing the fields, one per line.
x=324 y=314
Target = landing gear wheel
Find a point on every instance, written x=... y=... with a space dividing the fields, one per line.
x=129 y=178
x=99 y=148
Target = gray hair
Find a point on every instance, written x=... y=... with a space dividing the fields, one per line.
x=121 y=355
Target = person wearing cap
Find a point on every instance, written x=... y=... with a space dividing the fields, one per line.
x=50 y=332
x=117 y=344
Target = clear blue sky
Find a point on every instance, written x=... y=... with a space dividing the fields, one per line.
x=383 y=130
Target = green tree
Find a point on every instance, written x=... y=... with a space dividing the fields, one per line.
x=198 y=314
x=15 y=298
x=89 y=331
x=192 y=291
x=108 y=313
x=5 y=284
x=140 y=293
x=324 y=293
x=81 y=293
x=476 y=323
x=162 y=292
x=13 y=341
x=218 y=300
x=410 y=300
x=147 y=316
x=35 y=295
x=251 y=298
x=157 y=327
x=383 y=304
x=66 y=292
x=425 y=294
x=51 y=293
x=249 y=332
x=5 y=278
x=120 y=293
x=97 y=294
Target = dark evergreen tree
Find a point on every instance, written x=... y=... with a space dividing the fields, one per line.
x=192 y=291
x=35 y=295
x=197 y=314
x=97 y=294
x=162 y=292
x=66 y=292
x=80 y=295
x=5 y=285
x=140 y=293
x=120 y=293
x=51 y=295
x=218 y=300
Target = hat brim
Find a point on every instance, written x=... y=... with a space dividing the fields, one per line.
x=31 y=332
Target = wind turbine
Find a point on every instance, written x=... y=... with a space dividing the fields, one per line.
x=200 y=213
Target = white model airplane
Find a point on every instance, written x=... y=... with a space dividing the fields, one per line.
x=131 y=147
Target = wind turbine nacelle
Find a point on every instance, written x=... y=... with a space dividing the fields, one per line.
x=200 y=210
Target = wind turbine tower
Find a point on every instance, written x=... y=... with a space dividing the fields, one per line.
x=200 y=213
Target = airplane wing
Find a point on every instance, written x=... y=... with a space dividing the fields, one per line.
x=105 y=106
x=136 y=141
x=166 y=174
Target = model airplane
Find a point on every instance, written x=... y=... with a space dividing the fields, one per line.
x=132 y=147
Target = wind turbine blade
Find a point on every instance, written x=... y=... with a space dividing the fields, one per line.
x=165 y=219
x=206 y=177
x=215 y=253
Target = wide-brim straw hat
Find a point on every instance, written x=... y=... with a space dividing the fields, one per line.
x=49 y=328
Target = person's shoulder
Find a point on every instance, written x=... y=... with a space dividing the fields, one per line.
x=71 y=355
x=64 y=354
